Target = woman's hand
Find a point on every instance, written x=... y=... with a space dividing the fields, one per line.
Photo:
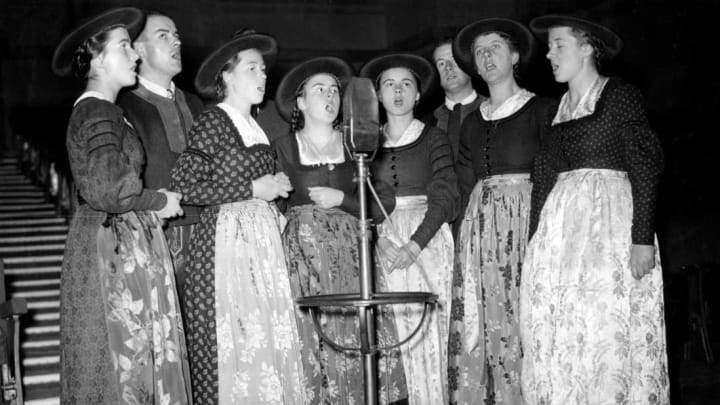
x=406 y=256
x=326 y=197
x=172 y=207
x=642 y=260
x=388 y=250
x=270 y=187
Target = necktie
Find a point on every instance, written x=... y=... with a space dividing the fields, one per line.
x=170 y=94
x=453 y=128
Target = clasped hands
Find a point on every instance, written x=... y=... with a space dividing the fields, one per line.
x=400 y=257
x=272 y=186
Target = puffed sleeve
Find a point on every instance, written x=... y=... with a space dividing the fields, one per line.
x=465 y=173
x=195 y=174
x=442 y=189
x=643 y=160
x=544 y=174
x=109 y=183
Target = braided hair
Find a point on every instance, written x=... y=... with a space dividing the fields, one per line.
x=90 y=48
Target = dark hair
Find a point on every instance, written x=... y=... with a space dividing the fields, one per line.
x=297 y=119
x=442 y=41
x=418 y=82
x=90 y=48
x=599 y=47
x=512 y=44
x=220 y=86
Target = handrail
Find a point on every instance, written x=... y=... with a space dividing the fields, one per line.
x=49 y=175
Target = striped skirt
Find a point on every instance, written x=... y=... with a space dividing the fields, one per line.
x=591 y=333
x=485 y=353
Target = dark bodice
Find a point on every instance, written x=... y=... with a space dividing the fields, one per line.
x=217 y=167
x=503 y=146
x=106 y=159
x=423 y=167
x=616 y=136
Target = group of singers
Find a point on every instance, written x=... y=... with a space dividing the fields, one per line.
x=532 y=219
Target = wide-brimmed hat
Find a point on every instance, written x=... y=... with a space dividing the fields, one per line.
x=291 y=82
x=464 y=39
x=423 y=69
x=612 y=41
x=242 y=40
x=129 y=17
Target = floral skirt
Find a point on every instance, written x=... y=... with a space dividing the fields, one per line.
x=258 y=347
x=425 y=355
x=591 y=333
x=485 y=353
x=322 y=253
x=143 y=321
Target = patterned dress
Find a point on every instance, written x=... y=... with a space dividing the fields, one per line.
x=496 y=154
x=322 y=255
x=593 y=334
x=120 y=327
x=242 y=336
x=419 y=167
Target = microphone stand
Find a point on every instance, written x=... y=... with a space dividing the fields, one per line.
x=367 y=300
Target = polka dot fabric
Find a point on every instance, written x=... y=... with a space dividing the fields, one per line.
x=616 y=136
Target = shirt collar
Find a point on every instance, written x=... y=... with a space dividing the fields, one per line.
x=156 y=88
x=467 y=100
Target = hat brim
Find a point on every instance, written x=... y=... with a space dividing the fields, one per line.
x=205 y=77
x=541 y=25
x=463 y=41
x=287 y=89
x=423 y=69
x=129 y=17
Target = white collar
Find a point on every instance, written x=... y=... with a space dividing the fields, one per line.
x=249 y=130
x=411 y=133
x=156 y=88
x=507 y=108
x=467 y=100
x=91 y=93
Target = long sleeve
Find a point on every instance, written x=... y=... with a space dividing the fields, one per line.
x=543 y=175
x=643 y=159
x=442 y=189
x=104 y=171
x=200 y=175
x=465 y=174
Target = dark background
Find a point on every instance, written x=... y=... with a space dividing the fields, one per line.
x=670 y=53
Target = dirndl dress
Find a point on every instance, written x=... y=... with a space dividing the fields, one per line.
x=258 y=346
x=485 y=350
x=425 y=355
x=591 y=333
x=323 y=258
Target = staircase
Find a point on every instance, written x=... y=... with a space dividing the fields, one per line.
x=32 y=241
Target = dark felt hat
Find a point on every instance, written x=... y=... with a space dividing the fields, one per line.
x=290 y=83
x=246 y=39
x=424 y=70
x=613 y=43
x=464 y=39
x=130 y=17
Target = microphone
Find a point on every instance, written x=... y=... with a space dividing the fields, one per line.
x=361 y=123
